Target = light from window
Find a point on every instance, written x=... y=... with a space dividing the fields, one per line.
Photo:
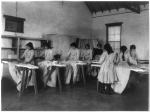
x=114 y=35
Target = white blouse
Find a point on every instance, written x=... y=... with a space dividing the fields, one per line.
x=28 y=55
x=73 y=54
x=48 y=54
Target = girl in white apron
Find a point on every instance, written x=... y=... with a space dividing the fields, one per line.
x=87 y=56
x=123 y=68
x=107 y=74
x=72 y=57
x=28 y=57
x=133 y=58
x=46 y=65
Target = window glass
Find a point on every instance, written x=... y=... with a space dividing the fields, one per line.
x=114 y=33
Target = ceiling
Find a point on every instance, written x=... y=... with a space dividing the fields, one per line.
x=102 y=6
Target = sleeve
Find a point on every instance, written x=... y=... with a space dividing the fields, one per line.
x=68 y=54
x=91 y=54
x=116 y=58
x=131 y=60
x=23 y=55
x=53 y=53
x=103 y=57
x=42 y=54
x=136 y=56
x=78 y=54
x=81 y=53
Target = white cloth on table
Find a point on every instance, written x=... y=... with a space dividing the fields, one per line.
x=71 y=69
x=52 y=81
x=44 y=66
x=95 y=68
x=123 y=71
x=17 y=76
x=123 y=74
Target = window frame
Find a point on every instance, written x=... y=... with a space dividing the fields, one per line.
x=16 y=20
x=111 y=25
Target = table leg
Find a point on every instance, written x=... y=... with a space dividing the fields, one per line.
x=49 y=74
x=66 y=73
x=22 y=82
x=35 y=82
x=83 y=75
x=97 y=86
x=59 y=80
x=28 y=78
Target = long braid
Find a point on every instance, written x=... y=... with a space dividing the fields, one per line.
x=123 y=57
x=123 y=50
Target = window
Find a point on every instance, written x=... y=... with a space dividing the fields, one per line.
x=114 y=34
x=14 y=24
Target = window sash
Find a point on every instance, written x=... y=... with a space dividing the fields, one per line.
x=115 y=44
x=114 y=33
x=114 y=30
x=113 y=37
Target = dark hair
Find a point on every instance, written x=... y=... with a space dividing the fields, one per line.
x=47 y=45
x=73 y=45
x=108 y=48
x=57 y=57
x=99 y=45
x=123 y=50
x=132 y=47
x=30 y=45
x=87 y=45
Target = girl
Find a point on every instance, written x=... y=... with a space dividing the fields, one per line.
x=107 y=74
x=87 y=53
x=47 y=53
x=123 y=54
x=133 y=59
x=126 y=57
x=72 y=57
x=46 y=65
x=87 y=56
x=97 y=52
x=123 y=69
x=28 y=57
x=73 y=53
